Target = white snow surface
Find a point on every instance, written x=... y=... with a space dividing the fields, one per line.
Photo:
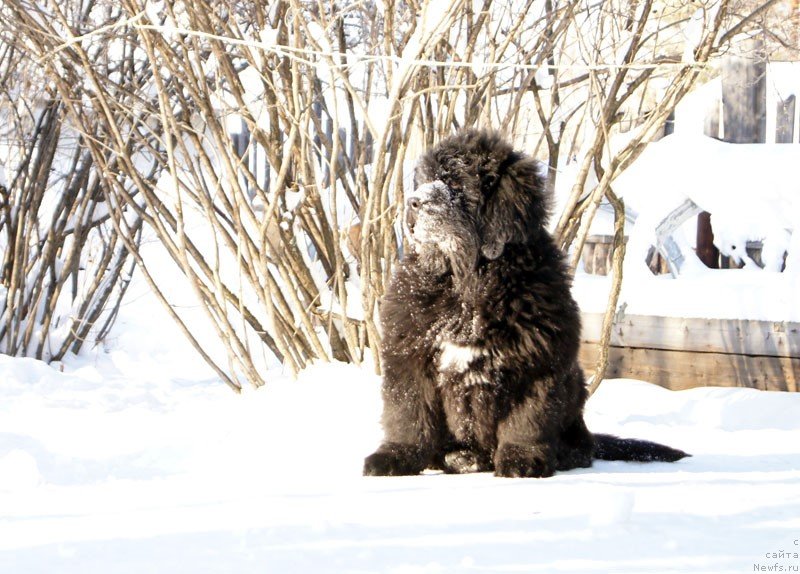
x=135 y=458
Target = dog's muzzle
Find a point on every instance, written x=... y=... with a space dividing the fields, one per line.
x=425 y=199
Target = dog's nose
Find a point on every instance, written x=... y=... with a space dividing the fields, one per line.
x=425 y=197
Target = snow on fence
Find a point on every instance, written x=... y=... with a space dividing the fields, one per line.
x=680 y=353
x=754 y=200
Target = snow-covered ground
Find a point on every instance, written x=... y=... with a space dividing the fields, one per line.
x=134 y=458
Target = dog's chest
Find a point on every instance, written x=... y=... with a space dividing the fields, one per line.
x=457 y=358
x=461 y=354
x=456 y=336
x=462 y=363
x=468 y=388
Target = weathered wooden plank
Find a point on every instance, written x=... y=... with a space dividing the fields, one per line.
x=731 y=336
x=784 y=120
x=598 y=253
x=744 y=94
x=665 y=244
x=679 y=370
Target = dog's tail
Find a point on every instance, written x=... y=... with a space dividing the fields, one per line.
x=609 y=447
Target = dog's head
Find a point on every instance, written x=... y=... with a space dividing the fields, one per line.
x=473 y=194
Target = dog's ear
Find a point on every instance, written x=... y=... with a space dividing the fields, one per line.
x=515 y=208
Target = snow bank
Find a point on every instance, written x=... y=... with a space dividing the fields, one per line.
x=749 y=189
x=752 y=195
x=104 y=470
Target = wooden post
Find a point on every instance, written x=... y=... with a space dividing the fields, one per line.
x=784 y=120
x=744 y=94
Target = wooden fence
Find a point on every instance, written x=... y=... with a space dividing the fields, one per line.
x=680 y=353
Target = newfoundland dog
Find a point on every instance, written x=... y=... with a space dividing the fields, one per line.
x=481 y=334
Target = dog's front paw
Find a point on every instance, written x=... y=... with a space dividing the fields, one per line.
x=393 y=460
x=460 y=462
x=465 y=461
x=517 y=461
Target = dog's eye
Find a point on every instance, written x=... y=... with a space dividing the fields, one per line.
x=453 y=186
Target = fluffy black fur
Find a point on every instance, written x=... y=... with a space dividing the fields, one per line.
x=481 y=334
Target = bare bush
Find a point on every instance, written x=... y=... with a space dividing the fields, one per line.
x=267 y=145
x=64 y=268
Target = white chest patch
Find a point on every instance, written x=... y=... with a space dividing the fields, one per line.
x=458 y=357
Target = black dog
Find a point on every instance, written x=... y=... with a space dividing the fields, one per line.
x=481 y=333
